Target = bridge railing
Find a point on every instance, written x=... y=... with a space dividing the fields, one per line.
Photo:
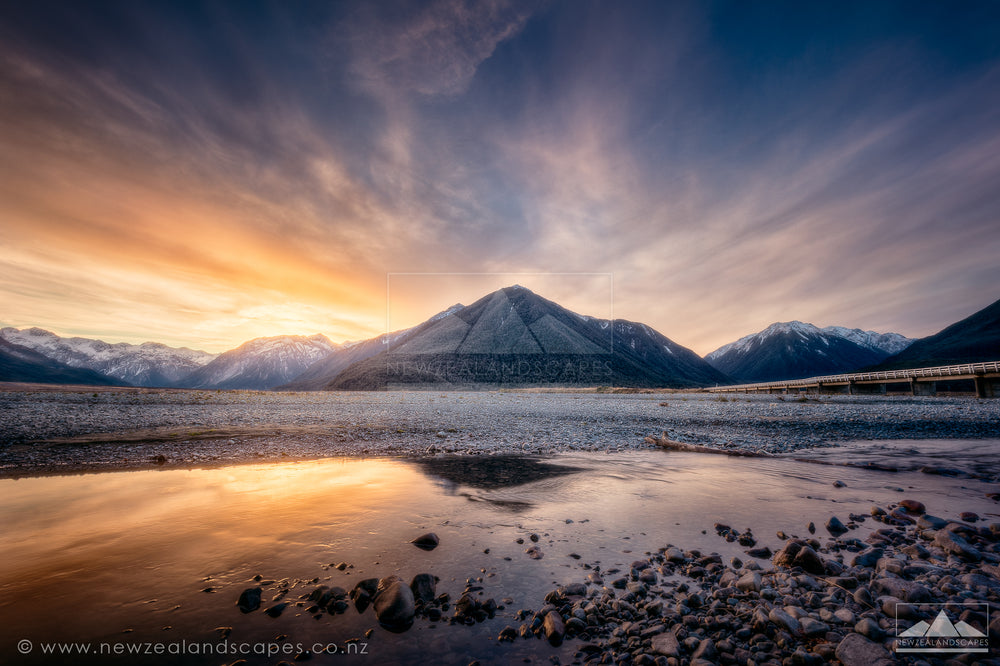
x=942 y=371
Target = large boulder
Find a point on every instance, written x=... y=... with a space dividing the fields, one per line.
x=394 y=604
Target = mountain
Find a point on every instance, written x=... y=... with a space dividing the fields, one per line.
x=21 y=364
x=975 y=338
x=888 y=343
x=148 y=364
x=513 y=337
x=793 y=350
x=261 y=363
x=326 y=369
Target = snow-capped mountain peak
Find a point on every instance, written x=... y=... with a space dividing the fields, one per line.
x=802 y=330
x=788 y=350
x=262 y=363
x=890 y=343
x=146 y=364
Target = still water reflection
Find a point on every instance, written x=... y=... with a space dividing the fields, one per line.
x=162 y=556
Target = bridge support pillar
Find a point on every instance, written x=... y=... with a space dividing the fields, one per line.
x=985 y=388
x=923 y=388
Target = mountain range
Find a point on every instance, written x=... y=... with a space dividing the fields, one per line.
x=793 y=350
x=510 y=337
x=21 y=364
x=148 y=364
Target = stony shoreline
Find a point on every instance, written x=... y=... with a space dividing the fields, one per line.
x=818 y=600
x=82 y=430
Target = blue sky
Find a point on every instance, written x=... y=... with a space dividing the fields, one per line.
x=203 y=173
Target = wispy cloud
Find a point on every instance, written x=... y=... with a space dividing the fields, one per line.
x=241 y=174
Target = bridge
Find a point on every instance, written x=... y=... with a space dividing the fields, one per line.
x=921 y=381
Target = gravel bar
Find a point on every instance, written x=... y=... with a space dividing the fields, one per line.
x=69 y=430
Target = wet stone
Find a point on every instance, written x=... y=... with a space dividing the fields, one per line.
x=427 y=541
x=249 y=600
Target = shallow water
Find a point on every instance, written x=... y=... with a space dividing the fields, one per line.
x=123 y=557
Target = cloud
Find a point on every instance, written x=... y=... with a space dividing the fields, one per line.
x=433 y=48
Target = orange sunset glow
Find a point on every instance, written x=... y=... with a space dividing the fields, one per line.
x=203 y=177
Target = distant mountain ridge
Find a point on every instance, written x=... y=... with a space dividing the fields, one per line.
x=147 y=364
x=262 y=363
x=793 y=350
x=22 y=364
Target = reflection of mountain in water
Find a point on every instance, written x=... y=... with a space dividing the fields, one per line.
x=491 y=473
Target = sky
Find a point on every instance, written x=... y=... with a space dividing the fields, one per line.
x=200 y=174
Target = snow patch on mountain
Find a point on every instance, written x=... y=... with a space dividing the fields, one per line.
x=890 y=343
x=146 y=364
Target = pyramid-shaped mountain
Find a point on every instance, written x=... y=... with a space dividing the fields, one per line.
x=513 y=337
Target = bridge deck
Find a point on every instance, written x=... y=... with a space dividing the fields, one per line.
x=989 y=370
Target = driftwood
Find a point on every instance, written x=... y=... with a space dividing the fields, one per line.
x=665 y=443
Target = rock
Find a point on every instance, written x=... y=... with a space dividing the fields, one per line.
x=675 y=555
x=785 y=621
x=844 y=615
x=706 y=650
x=276 y=609
x=508 y=633
x=534 y=537
x=249 y=600
x=363 y=593
x=969 y=516
x=666 y=644
x=749 y=582
x=856 y=650
x=554 y=627
x=835 y=527
x=956 y=545
x=761 y=552
x=864 y=597
x=427 y=541
x=839 y=484
x=812 y=627
x=811 y=527
x=796 y=553
x=912 y=506
x=906 y=590
x=785 y=556
x=869 y=627
x=868 y=558
x=424 y=587
x=534 y=553
x=929 y=522
x=809 y=561
x=975 y=580
x=394 y=604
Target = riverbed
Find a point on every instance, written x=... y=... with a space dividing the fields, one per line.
x=160 y=556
